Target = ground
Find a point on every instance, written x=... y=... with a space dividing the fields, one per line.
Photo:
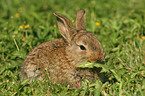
x=118 y=24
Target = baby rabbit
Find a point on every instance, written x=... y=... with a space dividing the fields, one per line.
x=60 y=57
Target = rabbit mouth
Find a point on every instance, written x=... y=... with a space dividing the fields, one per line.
x=94 y=60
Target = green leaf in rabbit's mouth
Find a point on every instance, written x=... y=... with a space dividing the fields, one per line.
x=92 y=65
x=87 y=65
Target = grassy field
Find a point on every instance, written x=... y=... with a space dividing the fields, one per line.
x=118 y=24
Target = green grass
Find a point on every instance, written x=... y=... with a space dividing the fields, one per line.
x=121 y=32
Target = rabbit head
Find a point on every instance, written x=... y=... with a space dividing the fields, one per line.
x=81 y=46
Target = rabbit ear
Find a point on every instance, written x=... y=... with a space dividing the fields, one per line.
x=66 y=28
x=80 y=20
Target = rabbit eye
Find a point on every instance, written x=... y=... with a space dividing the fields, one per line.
x=82 y=47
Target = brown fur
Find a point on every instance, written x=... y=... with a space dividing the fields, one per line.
x=61 y=57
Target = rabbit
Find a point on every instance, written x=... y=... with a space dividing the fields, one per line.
x=58 y=59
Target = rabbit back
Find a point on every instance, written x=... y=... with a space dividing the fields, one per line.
x=42 y=57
